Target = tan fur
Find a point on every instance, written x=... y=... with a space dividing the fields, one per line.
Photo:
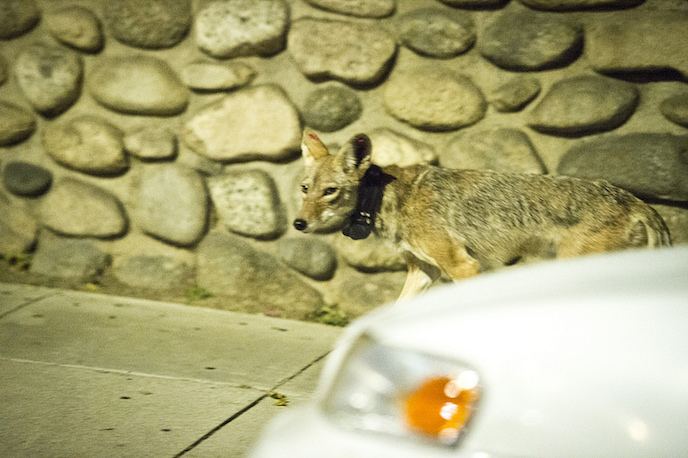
x=462 y=222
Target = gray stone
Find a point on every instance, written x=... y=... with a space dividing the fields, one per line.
x=140 y=85
x=4 y=70
x=571 y=5
x=73 y=207
x=310 y=256
x=77 y=27
x=515 y=94
x=639 y=42
x=360 y=8
x=530 y=41
x=256 y=281
x=18 y=227
x=369 y=255
x=390 y=147
x=435 y=99
x=648 y=164
x=154 y=143
x=358 y=293
x=248 y=203
x=331 y=108
x=502 y=149
x=676 y=219
x=584 y=105
x=88 y=144
x=75 y=259
x=234 y=28
x=675 y=109
x=16 y=124
x=50 y=77
x=213 y=76
x=474 y=3
x=433 y=32
x=26 y=179
x=268 y=127
x=171 y=203
x=153 y=272
x=151 y=24
x=17 y=17
x=354 y=52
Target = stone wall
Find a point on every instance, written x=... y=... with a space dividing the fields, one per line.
x=152 y=147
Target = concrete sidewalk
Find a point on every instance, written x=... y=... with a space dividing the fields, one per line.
x=91 y=375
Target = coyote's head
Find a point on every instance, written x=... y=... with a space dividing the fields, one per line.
x=330 y=184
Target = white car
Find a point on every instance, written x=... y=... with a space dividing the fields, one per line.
x=583 y=357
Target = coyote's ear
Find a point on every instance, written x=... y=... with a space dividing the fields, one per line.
x=356 y=154
x=312 y=147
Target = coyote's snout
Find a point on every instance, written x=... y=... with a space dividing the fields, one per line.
x=461 y=222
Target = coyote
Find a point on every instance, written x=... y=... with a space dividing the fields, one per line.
x=462 y=222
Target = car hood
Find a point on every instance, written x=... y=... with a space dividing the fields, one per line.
x=588 y=355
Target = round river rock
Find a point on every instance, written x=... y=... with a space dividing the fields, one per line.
x=140 y=85
x=435 y=99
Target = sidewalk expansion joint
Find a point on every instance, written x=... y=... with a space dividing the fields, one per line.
x=299 y=372
x=106 y=370
x=249 y=406
x=28 y=303
x=222 y=425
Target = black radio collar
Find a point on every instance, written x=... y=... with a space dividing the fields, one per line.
x=371 y=189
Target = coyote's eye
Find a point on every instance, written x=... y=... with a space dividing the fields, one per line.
x=304 y=188
x=329 y=191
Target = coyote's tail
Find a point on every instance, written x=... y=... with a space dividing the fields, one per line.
x=648 y=229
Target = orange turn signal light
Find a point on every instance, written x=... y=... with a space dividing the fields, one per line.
x=441 y=406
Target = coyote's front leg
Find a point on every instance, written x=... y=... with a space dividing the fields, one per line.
x=420 y=276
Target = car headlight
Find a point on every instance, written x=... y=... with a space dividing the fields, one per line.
x=396 y=392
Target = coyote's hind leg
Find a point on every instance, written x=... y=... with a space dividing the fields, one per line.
x=462 y=265
x=451 y=256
